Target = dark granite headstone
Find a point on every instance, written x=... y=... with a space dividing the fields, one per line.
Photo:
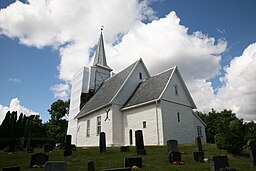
x=133 y=161
x=219 y=162
x=139 y=143
x=73 y=147
x=55 y=166
x=38 y=160
x=22 y=142
x=48 y=147
x=198 y=143
x=118 y=169
x=90 y=166
x=172 y=145
x=198 y=156
x=174 y=156
x=252 y=151
x=13 y=168
x=68 y=151
x=11 y=146
x=124 y=148
x=102 y=143
x=30 y=149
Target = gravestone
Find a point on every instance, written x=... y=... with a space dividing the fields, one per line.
x=48 y=147
x=55 y=166
x=11 y=146
x=118 y=169
x=102 y=143
x=198 y=143
x=133 y=161
x=172 y=145
x=139 y=143
x=90 y=166
x=38 y=160
x=198 y=155
x=13 y=168
x=124 y=149
x=252 y=151
x=219 y=163
x=68 y=151
x=174 y=156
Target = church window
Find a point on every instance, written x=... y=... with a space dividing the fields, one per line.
x=199 y=131
x=176 y=89
x=140 y=76
x=98 y=125
x=88 y=128
x=178 y=116
x=144 y=124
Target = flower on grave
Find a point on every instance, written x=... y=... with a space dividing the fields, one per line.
x=178 y=163
x=135 y=168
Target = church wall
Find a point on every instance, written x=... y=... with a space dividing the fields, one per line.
x=117 y=119
x=133 y=119
x=131 y=84
x=199 y=124
x=178 y=122
x=179 y=95
x=93 y=139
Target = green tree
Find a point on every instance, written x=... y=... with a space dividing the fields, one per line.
x=58 y=125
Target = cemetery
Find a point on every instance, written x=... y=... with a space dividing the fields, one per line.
x=148 y=158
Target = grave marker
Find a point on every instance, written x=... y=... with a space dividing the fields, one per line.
x=48 y=147
x=172 y=145
x=174 y=156
x=68 y=151
x=102 y=143
x=90 y=166
x=198 y=155
x=252 y=151
x=38 y=160
x=55 y=166
x=198 y=143
x=133 y=161
x=139 y=143
x=124 y=148
x=219 y=162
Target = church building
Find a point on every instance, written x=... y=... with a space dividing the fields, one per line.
x=119 y=104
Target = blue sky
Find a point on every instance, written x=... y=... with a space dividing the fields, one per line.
x=34 y=68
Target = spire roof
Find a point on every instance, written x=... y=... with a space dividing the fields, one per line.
x=100 y=56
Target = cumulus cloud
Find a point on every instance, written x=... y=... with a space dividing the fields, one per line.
x=61 y=91
x=15 y=106
x=239 y=81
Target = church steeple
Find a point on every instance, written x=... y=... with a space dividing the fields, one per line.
x=100 y=56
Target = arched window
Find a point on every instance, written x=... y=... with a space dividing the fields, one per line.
x=178 y=116
x=130 y=133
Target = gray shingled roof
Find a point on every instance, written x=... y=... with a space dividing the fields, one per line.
x=107 y=91
x=149 y=89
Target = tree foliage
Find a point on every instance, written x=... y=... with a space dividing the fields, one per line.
x=58 y=125
x=227 y=131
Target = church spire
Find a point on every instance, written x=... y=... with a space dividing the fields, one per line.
x=100 y=56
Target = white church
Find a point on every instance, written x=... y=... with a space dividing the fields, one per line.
x=119 y=104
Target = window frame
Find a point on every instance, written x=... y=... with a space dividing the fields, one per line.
x=98 y=124
x=88 y=128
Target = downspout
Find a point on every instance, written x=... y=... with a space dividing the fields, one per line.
x=157 y=129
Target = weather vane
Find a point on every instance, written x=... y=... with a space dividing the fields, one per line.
x=102 y=27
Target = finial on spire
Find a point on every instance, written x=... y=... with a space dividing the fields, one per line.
x=102 y=27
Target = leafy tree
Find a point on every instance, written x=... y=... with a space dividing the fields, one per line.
x=58 y=125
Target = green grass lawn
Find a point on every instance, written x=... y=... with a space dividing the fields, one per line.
x=155 y=160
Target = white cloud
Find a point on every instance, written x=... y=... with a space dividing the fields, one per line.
x=238 y=92
x=61 y=91
x=15 y=106
x=14 y=80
